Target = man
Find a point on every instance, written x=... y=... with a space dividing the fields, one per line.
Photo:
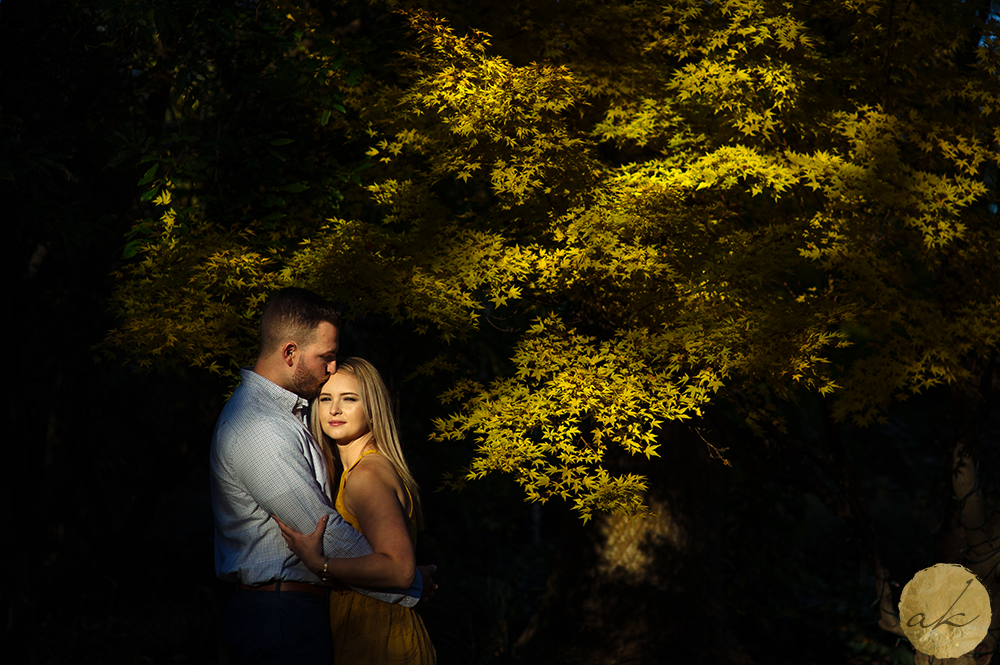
x=264 y=462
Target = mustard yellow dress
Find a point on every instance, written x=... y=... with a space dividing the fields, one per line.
x=368 y=631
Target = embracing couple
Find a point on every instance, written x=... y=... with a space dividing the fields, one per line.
x=324 y=568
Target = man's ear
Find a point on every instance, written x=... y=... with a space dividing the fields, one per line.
x=288 y=352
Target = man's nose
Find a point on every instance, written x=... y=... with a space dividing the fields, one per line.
x=331 y=367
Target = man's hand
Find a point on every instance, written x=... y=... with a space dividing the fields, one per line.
x=309 y=548
x=429 y=586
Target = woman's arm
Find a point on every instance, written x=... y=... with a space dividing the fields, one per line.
x=371 y=495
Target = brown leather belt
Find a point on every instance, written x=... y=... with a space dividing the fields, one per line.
x=287 y=585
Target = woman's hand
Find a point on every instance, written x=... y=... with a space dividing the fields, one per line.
x=429 y=586
x=309 y=548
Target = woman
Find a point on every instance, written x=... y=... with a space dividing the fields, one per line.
x=352 y=420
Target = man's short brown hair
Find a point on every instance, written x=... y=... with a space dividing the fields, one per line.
x=293 y=314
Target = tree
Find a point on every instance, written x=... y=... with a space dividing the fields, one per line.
x=690 y=224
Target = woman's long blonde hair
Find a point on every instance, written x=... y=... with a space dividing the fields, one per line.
x=377 y=405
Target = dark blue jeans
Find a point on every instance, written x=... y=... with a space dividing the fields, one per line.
x=277 y=627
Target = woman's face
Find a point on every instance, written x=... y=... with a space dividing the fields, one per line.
x=340 y=409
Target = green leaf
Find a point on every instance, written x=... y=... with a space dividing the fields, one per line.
x=150 y=174
x=131 y=249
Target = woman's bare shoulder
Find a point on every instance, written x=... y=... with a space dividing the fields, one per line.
x=374 y=485
x=374 y=469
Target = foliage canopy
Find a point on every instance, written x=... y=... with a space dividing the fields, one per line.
x=743 y=201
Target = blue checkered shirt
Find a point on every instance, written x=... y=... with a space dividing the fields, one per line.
x=265 y=462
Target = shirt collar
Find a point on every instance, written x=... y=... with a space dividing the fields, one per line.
x=285 y=399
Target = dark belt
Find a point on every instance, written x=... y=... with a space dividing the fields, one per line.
x=287 y=585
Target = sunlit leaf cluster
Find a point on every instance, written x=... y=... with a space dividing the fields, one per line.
x=677 y=205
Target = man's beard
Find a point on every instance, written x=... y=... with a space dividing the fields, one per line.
x=304 y=385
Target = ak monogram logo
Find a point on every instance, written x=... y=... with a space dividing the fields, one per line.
x=945 y=611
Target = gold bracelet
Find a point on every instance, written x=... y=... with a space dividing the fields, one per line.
x=324 y=573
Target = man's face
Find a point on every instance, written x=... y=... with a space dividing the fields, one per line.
x=316 y=361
